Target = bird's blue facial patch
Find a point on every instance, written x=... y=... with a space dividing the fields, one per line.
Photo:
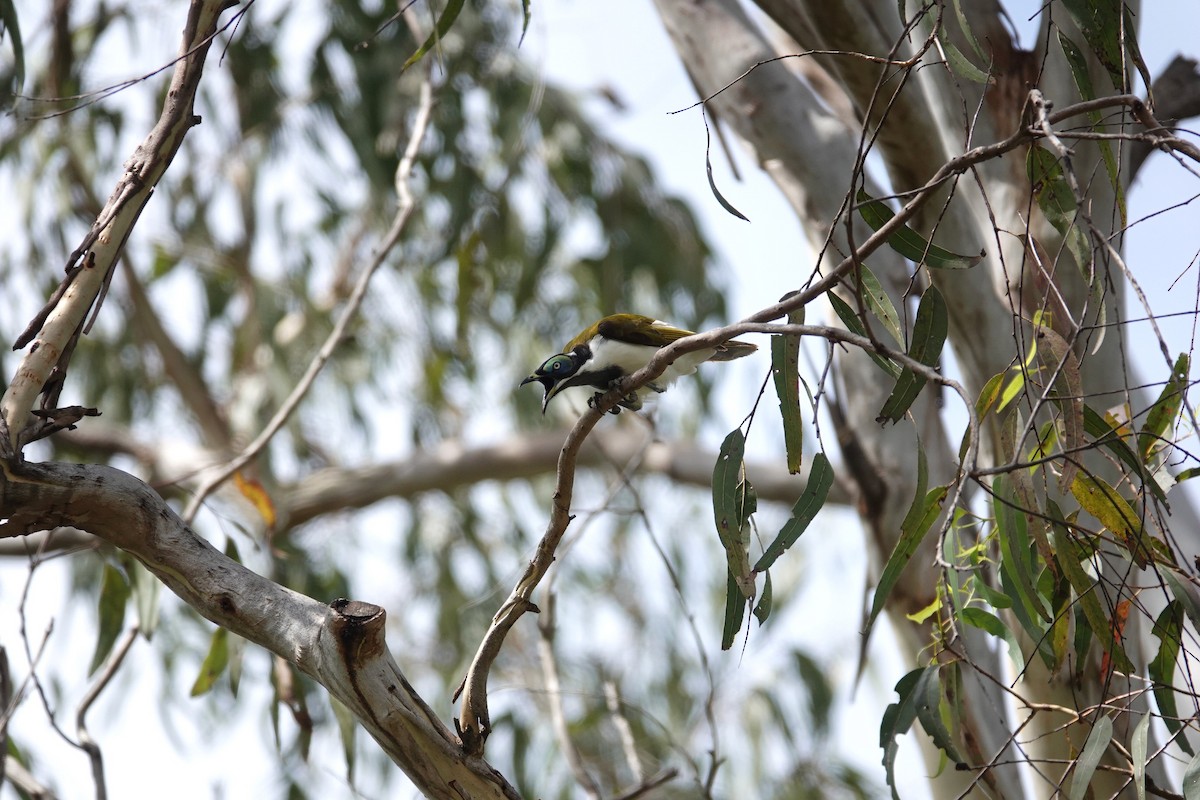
x=558 y=367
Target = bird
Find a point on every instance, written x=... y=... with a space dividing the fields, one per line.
x=618 y=346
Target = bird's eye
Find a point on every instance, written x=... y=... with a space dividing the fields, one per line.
x=557 y=366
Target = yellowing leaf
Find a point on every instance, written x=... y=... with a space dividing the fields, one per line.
x=253 y=490
x=1105 y=504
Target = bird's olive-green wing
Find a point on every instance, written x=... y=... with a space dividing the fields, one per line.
x=636 y=329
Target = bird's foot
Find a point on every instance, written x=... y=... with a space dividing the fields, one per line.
x=594 y=402
x=656 y=387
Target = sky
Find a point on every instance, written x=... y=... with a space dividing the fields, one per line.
x=620 y=46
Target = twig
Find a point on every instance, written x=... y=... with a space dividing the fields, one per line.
x=558 y=717
x=100 y=248
x=612 y=701
x=648 y=785
x=404 y=210
x=86 y=742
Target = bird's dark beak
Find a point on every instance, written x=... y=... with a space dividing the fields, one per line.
x=546 y=384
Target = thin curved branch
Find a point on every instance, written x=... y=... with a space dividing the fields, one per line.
x=57 y=327
x=341 y=646
x=404 y=208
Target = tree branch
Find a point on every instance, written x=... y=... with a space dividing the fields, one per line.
x=340 y=646
x=90 y=267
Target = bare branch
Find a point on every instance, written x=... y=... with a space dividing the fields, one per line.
x=341 y=646
x=405 y=206
x=102 y=246
x=86 y=741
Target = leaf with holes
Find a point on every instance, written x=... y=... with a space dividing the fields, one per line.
x=820 y=481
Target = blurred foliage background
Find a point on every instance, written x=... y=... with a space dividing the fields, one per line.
x=530 y=225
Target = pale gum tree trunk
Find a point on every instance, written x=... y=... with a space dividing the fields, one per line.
x=810 y=151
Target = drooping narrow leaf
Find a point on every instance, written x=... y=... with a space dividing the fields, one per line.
x=1104 y=434
x=960 y=63
x=526 y=16
x=712 y=184
x=785 y=370
x=1137 y=749
x=1093 y=749
x=928 y=336
x=1086 y=589
x=853 y=324
x=1014 y=548
x=762 y=609
x=1106 y=504
x=1058 y=359
x=929 y=703
x=146 y=590
x=1191 y=779
x=897 y=719
x=733 y=502
x=991 y=624
x=1057 y=201
x=1078 y=65
x=1169 y=630
x=908 y=242
x=916 y=526
x=440 y=29
x=214 y=663
x=10 y=25
x=820 y=481
x=880 y=304
x=1161 y=418
x=1108 y=28
x=735 y=612
x=114 y=596
x=1186 y=594
x=347 y=725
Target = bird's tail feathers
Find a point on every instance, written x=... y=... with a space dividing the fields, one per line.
x=733 y=349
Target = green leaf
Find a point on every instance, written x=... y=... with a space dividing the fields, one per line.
x=898 y=718
x=959 y=63
x=990 y=623
x=1093 y=749
x=712 y=184
x=114 y=595
x=1161 y=418
x=1169 y=630
x=1185 y=593
x=347 y=725
x=1058 y=359
x=923 y=512
x=785 y=370
x=1137 y=749
x=928 y=336
x=11 y=25
x=1191 y=779
x=820 y=481
x=735 y=612
x=1057 y=201
x=214 y=663
x=1108 y=28
x=908 y=242
x=928 y=702
x=1066 y=555
x=146 y=592
x=1106 y=504
x=1077 y=62
x=853 y=324
x=1016 y=561
x=444 y=23
x=1106 y=435
x=763 y=608
x=526 y=16
x=877 y=299
x=733 y=502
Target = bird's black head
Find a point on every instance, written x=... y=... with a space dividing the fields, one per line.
x=554 y=374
